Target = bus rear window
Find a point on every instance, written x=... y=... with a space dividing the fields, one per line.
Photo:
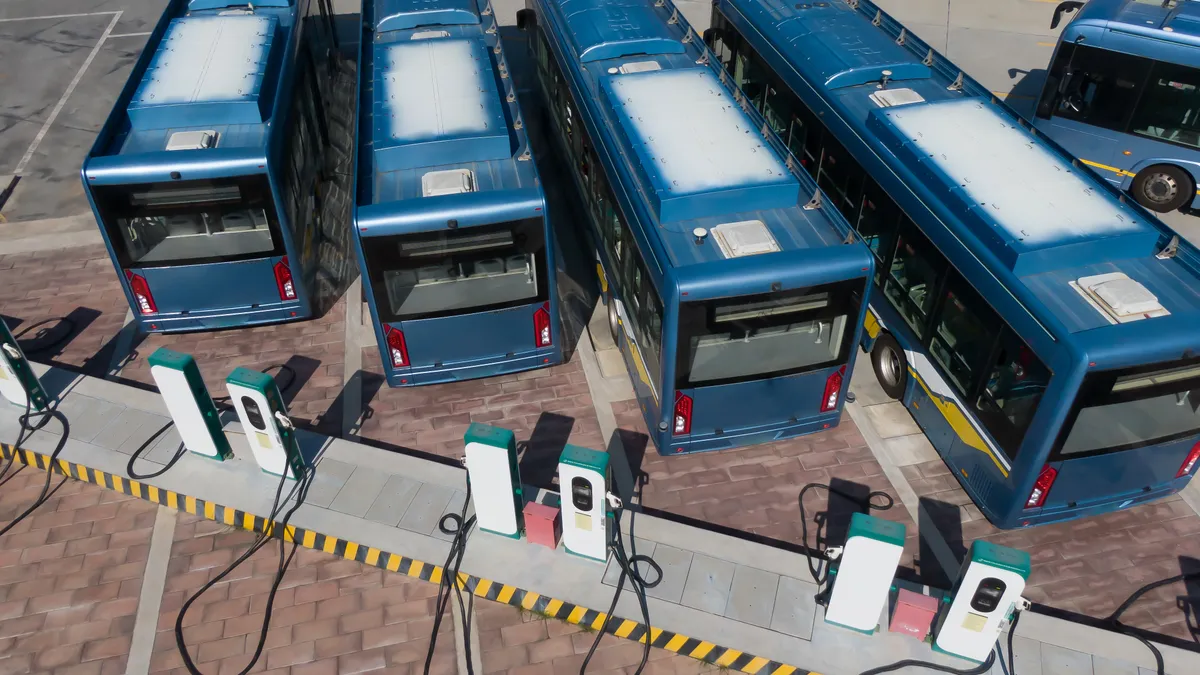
x=188 y=222
x=446 y=272
x=1134 y=408
x=769 y=335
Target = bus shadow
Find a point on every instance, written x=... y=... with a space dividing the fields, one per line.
x=628 y=450
x=939 y=525
x=1189 y=603
x=1023 y=95
x=540 y=454
x=363 y=384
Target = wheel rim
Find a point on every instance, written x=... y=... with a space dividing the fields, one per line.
x=889 y=366
x=1160 y=188
x=614 y=325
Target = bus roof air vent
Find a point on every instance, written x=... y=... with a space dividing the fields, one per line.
x=192 y=140
x=888 y=98
x=450 y=182
x=1119 y=298
x=743 y=238
x=428 y=34
x=639 y=67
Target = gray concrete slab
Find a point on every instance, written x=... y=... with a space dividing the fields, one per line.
x=164 y=448
x=795 y=608
x=93 y=417
x=675 y=563
x=911 y=449
x=708 y=584
x=752 y=596
x=1060 y=661
x=1027 y=656
x=1103 y=666
x=892 y=419
x=427 y=508
x=359 y=492
x=329 y=480
x=455 y=506
x=393 y=500
x=612 y=572
x=130 y=425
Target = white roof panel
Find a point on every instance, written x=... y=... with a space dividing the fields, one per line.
x=695 y=134
x=1031 y=193
x=210 y=58
x=435 y=88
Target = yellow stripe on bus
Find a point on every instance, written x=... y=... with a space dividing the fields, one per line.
x=959 y=423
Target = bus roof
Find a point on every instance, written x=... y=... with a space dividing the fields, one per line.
x=211 y=75
x=1140 y=27
x=1005 y=193
x=697 y=158
x=441 y=117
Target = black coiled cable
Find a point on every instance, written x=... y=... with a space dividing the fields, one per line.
x=27 y=430
x=820 y=575
x=1114 y=619
x=461 y=529
x=628 y=566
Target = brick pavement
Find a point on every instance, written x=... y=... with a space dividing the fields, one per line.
x=331 y=616
x=78 y=283
x=516 y=642
x=755 y=489
x=548 y=407
x=1091 y=565
x=70 y=576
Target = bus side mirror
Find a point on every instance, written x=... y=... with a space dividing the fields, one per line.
x=525 y=18
x=1064 y=8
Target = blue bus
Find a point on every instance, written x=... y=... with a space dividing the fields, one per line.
x=1123 y=94
x=1038 y=324
x=451 y=226
x=213 y=180
x=733 y=288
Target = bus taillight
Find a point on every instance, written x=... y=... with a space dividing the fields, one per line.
x=396 y=346
x=833 y=387
x=541 y=326
x=141 y=292
x=1189 y=462
x=683 y=414
x=1041 y=487
x=283 y=280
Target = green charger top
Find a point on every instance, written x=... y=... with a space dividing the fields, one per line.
x=489 y=435
x=863 y=525
x=585 y=458
x=1003 y=557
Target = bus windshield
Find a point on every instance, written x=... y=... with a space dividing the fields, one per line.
x=1134 y=408
x=446 y=272
x=188 y=222
x=769 y=335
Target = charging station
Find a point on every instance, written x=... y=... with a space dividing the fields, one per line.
x=495 y=479
x=192 y=409
x=18 y=383
x=864 y=573
x=269 y=431
x=583 y=486
x=988 y=589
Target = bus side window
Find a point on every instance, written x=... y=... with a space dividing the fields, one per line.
x=1054 y=78
x=841 y=177
x=600 y=199
x=914 y=277
x=877 y=223
x=749 y=74
x=618 y=234
x=1011 y=393
x=1169 y=110
x=715 y=37
x=964 y=335
x=1101 y=87
x=804 y=138
x=778 y=106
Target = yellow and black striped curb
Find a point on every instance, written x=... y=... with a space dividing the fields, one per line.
x=722 y=657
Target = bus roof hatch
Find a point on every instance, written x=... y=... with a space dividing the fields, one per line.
x=408 y=14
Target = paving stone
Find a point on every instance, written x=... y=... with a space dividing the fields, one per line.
x=612 y=573
x=130 y=430
x=675 y=564
x=795 y=608
x=393 y=500
x=708 y=584
x=329 y=480
x=454 y=506
x=427 y=508
x=1060 y=661
x=359 y=492
x=1103 y=666
x=93 y=417
x=752 y=596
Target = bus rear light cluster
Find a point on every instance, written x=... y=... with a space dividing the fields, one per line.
x=1189 y=462
x=833 y=389
x=141 y=293
x=396 y=347
x=1041 y=487
x=541 y=326
x=283 y=280
x=683 y=414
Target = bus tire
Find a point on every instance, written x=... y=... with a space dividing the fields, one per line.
x=614 y=319
x=890 y=364
x=1163 y=188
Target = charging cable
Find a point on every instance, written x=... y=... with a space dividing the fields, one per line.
x=821 y=574
x=1114 y=619
x=459 y=526
x=628 y=565
x=27 y=430
x=300 y=491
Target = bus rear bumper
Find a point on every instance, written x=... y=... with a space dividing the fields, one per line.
x=752 y=436
x=473 y=371
x=184 y=323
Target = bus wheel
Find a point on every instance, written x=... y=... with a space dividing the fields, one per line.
x=614 y=320
x=891 y=366
x=1162 y=188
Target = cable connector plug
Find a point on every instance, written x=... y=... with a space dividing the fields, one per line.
x=11 y=351
x=463 y=461
x=284 y=420
x=1023 y=604
x=833 y=552
x=614 y=502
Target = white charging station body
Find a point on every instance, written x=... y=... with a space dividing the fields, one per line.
x=192 y=409
x=495 y=479
x=989 y=586
x=865 y=571
x=18 y=383
x=259 y=407
x=583 y=486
